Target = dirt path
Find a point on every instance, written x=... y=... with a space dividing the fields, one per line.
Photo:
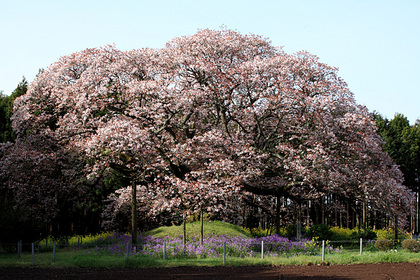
x=384 y=271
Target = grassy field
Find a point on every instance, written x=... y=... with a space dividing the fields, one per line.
x=82 y=259
x=93 y=254
x=211 y=228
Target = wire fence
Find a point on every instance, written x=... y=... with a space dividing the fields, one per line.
x=212 y=248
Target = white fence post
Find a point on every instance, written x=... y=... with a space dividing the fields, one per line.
x=262 y=249
x=323 y=250
x=33 y=253
x=361 y=245
x=128 y=251
x=224 y=253
x=164 y=250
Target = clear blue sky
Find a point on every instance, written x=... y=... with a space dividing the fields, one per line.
x=375 y=43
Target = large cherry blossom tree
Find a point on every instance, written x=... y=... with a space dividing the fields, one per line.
x=292 y=124
x=211 y=116
x=95 y=101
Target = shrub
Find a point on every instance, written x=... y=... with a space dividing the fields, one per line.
x=322 y=232
x=340 y=233
x=365 y=234
x=258 y=232
x=385 y=233
x=389 y=233
x=383 y=244
x=291 y=231
x=411 y=245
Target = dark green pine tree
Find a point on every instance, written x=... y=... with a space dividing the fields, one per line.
x=412 y=178
x=392 y=132
x=402 y=143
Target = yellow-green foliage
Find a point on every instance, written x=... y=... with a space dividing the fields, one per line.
x=346 y=233
x=389 y=233
x=91 y=238
x=342 y=233
x=385 y=233
x=258 y=232
x=75 y=240
x=313 y=243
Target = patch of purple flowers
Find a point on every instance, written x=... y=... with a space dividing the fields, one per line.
x=212 y=247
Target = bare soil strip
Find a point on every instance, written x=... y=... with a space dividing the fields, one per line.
x=383 y=271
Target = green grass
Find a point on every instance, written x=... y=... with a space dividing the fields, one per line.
x=211 y=228
x=82 y=259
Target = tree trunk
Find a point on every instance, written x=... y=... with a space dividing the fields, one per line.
x=308 y=213
x=201 y=227
x=278 y=215
x=364 y=222
x=317 y=211
x=335 y=212
x=348 y=215
x=417 y=213
x=375 y=220
x=359 y=226
x=184 y=230
x=299 y=225
x=134 y=214
x=396 y=229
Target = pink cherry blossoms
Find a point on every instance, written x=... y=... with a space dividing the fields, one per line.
x=211 y=120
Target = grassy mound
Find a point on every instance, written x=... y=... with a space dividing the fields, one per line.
x=211 y=228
